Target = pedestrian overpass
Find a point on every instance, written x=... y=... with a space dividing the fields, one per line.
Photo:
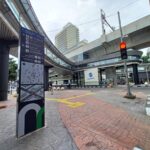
x=13 y=14
x=16 y=13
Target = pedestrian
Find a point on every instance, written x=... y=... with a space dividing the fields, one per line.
x=69 y=85
x=51 y=87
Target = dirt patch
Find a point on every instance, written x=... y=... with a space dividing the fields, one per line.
x=92 y=145
x=3 y=106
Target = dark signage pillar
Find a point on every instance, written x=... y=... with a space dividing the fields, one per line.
x=46 y=78
x=135 y=74
x=31 y=97
x=4 y=59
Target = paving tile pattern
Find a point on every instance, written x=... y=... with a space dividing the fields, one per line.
x=102 y=125
x=54 y=137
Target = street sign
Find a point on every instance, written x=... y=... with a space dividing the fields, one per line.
x=31 y=99
x=123 y=50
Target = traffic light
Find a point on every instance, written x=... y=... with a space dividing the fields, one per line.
x=123 y=50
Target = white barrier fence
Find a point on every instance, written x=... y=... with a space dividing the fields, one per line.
x=58 y=88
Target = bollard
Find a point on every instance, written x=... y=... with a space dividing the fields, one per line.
x=147 y=107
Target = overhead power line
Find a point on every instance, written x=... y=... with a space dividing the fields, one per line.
x=88 y=22
x=115 y=13
x=94 y=20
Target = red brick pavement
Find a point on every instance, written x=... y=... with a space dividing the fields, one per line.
x=100 y=126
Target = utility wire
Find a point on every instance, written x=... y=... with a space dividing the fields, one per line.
x=92 y=21
x=88 y=22
x=115 y=13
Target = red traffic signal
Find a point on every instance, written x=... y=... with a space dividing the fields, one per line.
x=123 y=50
x=122 y=45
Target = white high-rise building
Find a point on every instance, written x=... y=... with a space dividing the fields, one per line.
x=68 y=38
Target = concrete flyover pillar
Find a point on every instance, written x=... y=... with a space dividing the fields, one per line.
x=46 y=78
x=4 y=63
x=111 y=75
x=135 y=74
x=100 y=75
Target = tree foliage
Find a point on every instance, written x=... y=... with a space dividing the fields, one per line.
x=12 y=69
x=145 y=59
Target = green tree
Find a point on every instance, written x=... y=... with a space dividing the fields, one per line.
x=12 y=69
x=145 y=59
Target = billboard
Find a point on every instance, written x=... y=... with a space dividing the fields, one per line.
x=91 y=76
x=31 y=98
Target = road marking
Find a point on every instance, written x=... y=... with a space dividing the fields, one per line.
x=73 y=97
x=68 y=103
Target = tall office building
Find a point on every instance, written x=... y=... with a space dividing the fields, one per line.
x=68 y=38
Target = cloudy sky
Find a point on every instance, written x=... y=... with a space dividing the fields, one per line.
x=85 y=14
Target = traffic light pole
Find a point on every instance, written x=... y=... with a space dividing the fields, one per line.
x=121 y=38
x=129 y=94
x=147 y=75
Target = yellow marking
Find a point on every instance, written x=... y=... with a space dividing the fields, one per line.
x=53 y=99
x=79 y=96
x=68 y=103
x=77 y=104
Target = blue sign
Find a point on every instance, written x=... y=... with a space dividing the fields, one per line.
x=90 y=75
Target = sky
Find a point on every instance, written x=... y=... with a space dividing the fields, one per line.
x=85 y=14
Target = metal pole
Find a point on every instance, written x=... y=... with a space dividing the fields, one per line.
x=120 y=27
x=127 y=80
x=109 y=25
x=125 y=62
x=11 y=87
x=102 y=22
x=147 y=74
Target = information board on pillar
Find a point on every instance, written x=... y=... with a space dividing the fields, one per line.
x=31 y=99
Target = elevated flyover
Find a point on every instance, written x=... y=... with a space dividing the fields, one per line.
x=104 y=52
x=16 y=13
x=136 y=37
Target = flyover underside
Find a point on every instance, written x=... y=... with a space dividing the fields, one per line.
x=136 y=40
x=7 y=39
x=5 y=33
x=9 y=45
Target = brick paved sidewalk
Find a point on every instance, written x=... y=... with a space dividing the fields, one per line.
x=9 y=103
x=54 y=136
x=100 y=125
